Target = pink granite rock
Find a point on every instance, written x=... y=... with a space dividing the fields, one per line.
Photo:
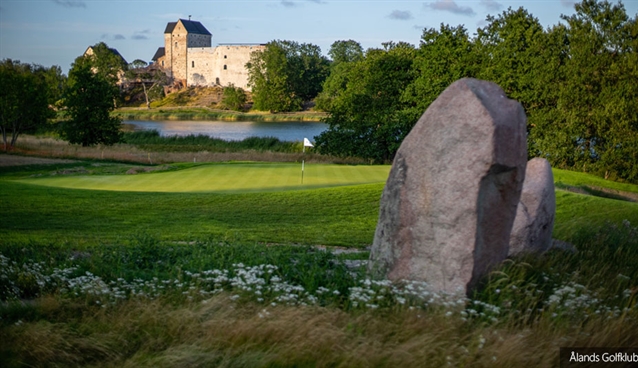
x=448 y=206
x=532 y=230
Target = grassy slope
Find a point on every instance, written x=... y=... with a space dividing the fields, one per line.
x=573 y=178
x=177 y=331
x=338 y=216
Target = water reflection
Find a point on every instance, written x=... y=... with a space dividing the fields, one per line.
x=285 y=131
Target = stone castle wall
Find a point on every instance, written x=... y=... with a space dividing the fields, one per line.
x=190 y=59
x=221 y=65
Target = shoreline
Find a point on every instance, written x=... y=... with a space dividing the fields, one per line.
x=206 y=114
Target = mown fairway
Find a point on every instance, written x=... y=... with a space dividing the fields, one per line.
x=255 y=202
x=243 y=202
x=236 y=177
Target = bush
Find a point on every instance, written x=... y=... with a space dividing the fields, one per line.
x=233 y=98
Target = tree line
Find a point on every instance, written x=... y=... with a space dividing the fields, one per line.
x=577 y=80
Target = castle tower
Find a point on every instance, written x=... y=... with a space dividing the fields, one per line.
x=178 y=37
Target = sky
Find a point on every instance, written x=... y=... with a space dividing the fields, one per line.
x=55 y=32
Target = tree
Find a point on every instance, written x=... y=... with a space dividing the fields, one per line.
x=285 y=75
x=367 y=119
x=89 y=100
x=344 y=54
x=444 y=56
x=150 y=77
x=233 y=98
x=107 y=62
x=597 y=106
x=24 y=98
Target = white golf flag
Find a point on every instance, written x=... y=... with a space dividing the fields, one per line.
x=306 y=143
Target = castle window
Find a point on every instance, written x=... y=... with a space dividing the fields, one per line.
x=224 y=67
x=175 y=44
x=224 y=56
x=162 y=62
x=193 y=64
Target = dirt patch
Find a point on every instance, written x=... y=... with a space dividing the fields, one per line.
x=14 y=160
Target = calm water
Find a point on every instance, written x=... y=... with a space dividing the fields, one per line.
x=236 y=130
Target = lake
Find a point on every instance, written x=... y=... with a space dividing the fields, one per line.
x=235 y=130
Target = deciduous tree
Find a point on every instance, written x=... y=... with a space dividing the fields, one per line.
x=285 y=75
x=24 y=99
x=89 y=100
x=366 y=119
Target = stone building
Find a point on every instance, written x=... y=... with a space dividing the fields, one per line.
x=188 y=57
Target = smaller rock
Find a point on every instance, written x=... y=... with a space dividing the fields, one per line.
x=534 y=222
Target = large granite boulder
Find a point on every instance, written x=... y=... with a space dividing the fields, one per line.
x=449 y=203
x=534 y=223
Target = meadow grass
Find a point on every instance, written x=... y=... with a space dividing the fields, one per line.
x=167 y=152
x=108 y=278
x=145 y=302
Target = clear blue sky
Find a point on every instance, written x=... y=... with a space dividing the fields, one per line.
x=55 y=32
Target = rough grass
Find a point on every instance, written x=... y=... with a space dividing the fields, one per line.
x=223 y=333
x=561 y=299
x=56 y=148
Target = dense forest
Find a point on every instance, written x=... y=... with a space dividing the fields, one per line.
x=577 y=80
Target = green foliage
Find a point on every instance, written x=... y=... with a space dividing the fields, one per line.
x=89 y=100
x=107 y=62
x=443 y=57
x=285 y=75
x=576 y=81
x=25 y=95
x=367 y=119
x=345 y=52
x=598 y=99
x=234 y=98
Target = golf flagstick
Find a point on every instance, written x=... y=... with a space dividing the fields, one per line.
x=306 y=143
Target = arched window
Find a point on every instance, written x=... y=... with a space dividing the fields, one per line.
x=225 y=67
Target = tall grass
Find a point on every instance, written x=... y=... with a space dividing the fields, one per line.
x=146 y=302
x=122 y=152
x=152 y=141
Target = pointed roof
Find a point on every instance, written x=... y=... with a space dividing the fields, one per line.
x=161 y=51
x=190 y=25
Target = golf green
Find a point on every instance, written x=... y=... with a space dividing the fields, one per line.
x=226 y=177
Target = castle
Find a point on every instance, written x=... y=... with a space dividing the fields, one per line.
x=189 y=59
